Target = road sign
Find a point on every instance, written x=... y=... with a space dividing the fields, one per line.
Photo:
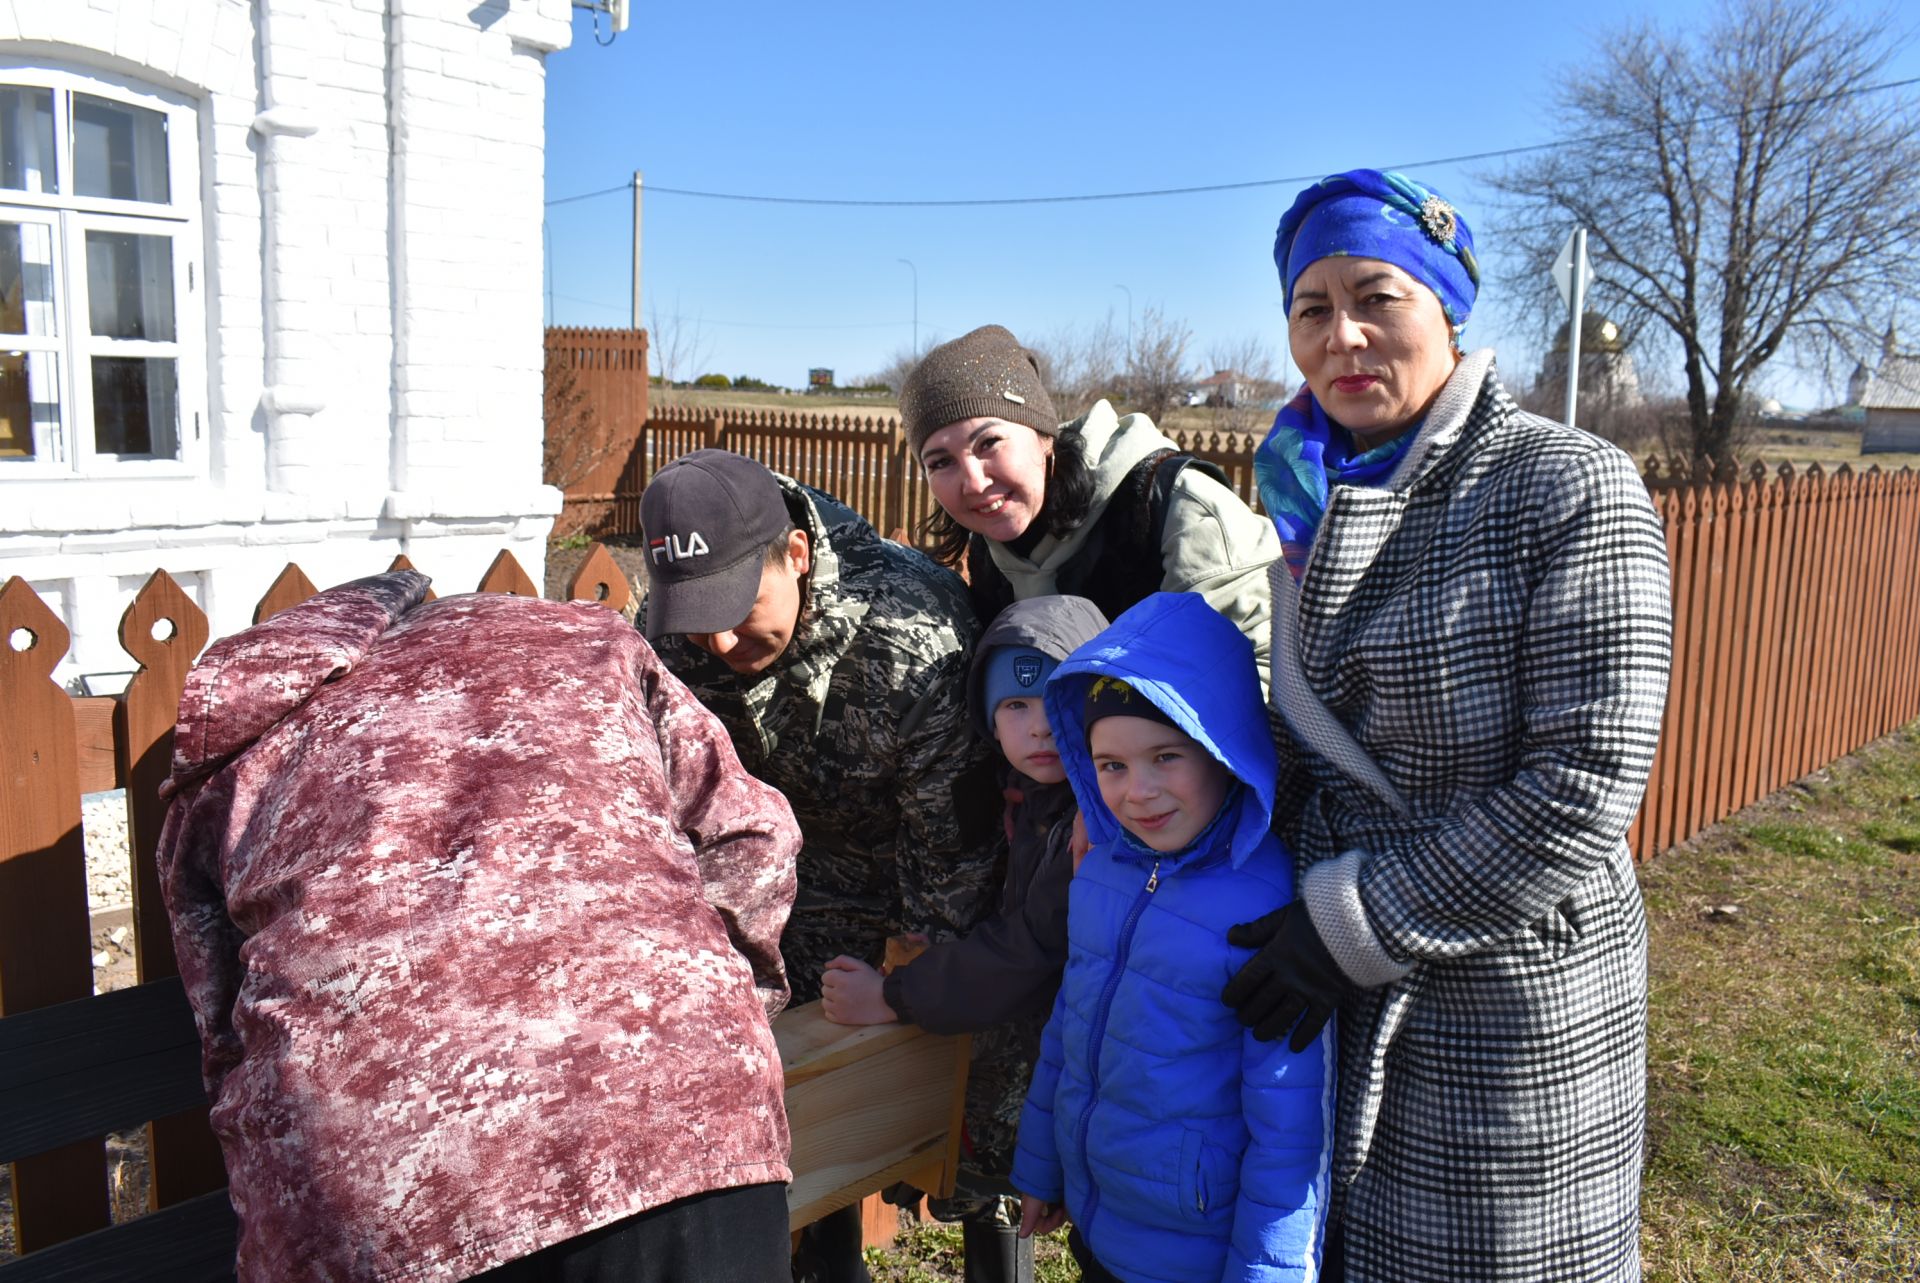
x=1563 y=265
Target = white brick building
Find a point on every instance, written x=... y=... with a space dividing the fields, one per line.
x=270 y=281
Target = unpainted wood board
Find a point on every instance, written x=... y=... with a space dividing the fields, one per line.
x=94 y=755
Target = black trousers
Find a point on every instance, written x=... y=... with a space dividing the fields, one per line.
x=722 y=1236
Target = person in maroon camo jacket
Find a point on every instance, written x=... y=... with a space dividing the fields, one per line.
x=479 y=917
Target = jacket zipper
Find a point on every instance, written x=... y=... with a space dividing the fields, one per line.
x=1099 y=1035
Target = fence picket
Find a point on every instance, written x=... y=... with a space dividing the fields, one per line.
x=289 y=588
x=600 y=579
x=506 y=576
x=45 y=946
x=164 y=631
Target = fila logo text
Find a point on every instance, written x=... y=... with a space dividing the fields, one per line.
x=675 y=548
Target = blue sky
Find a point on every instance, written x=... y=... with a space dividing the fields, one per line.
x=891 y=101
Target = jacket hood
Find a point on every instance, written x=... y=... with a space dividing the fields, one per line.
x=1113 y=446
x=1198 y=669
x=1055 y=626
x=247 y=683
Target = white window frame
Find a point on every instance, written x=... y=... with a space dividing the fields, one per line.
x=71 y=451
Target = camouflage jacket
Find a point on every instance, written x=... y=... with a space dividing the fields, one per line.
x=862 y=723
x=479 y=919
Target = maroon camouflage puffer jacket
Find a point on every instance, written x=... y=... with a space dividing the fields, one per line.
x=480 y=921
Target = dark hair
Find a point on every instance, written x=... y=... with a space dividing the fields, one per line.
x=777 y=548
x=1069 y=497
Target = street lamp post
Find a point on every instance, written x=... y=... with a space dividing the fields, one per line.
x=916 y=303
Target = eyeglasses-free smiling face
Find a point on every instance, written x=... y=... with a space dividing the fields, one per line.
x=1162 y=787
x=990 y=475
x=1020 y=726
x=1372 y=342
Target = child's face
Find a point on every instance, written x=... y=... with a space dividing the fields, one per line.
x=1162 y=787
x=1020 y=726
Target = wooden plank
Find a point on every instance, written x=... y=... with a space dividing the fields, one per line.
x=865 y=1106
x=45 y=937
x=81 y=1069
x=192 y=1242
x=97 y=763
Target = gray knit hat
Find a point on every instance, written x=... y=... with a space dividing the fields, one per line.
x=985 y=372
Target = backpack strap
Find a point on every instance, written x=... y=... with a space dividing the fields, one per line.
x=1160 y=495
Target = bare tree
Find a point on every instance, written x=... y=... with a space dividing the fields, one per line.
x=679 y=345
x=1157 y=372
x=1079 y=366
x=1746 y=191
x=578 y=444
x=1251 y=359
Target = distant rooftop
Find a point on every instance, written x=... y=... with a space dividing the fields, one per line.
x=1894 y=385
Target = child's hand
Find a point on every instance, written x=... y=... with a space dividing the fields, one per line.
x=1037 y=1217
x=1079 y=843
x=850 y=994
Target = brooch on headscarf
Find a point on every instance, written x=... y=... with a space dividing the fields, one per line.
x=1437 y=220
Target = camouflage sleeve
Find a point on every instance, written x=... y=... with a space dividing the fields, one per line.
x=744 y=836
x=950 y=841
x=206 y=942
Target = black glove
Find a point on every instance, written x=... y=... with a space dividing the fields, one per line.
x=1292 y=978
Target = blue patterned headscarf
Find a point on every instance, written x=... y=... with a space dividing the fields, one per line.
x=1367 y=213
x=1363 y=213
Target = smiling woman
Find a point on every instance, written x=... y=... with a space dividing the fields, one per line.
x=1104 y=507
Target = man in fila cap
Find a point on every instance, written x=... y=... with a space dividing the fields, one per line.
x=838 y=662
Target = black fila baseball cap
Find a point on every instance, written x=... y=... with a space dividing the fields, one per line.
x=708 y=518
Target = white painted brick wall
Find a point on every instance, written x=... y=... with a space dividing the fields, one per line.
x=403 y=265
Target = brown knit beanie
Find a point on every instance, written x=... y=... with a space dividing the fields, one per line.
x=983 y=373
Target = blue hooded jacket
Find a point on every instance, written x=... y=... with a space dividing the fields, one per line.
x=1182 y=1147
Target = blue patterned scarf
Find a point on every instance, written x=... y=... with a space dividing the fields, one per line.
x=1302 y=458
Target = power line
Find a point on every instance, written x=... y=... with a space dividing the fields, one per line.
x=745 y=325
x=1431 y=163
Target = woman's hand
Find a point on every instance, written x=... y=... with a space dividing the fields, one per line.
x=1037 y=1217
x=850 y=994
x=1291 y=982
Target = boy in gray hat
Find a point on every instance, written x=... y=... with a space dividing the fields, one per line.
x=837 y=660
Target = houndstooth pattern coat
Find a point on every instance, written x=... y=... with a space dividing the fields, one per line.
x=1468 y=682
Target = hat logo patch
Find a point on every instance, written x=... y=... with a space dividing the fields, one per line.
x=1026 y=670
x=674 y=548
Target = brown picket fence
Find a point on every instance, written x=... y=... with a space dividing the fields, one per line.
x=861 y=459
x=1796 y=640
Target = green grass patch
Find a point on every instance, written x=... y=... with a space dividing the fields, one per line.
x=1784 y=1064
x=929 y=1252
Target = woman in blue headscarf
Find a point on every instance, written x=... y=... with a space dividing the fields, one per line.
x=1469 y=663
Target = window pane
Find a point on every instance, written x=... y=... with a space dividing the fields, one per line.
x=119 y=150
x=136 y=406
x=130 y=286
x=26 y=278
x=26 y=139
x=29 y=396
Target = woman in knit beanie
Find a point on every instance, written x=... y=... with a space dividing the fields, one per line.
x=1105 y=507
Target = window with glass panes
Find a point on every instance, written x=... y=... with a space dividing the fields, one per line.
x=100 y=365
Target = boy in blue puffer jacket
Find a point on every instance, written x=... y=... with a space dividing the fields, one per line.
x=1181 y=1147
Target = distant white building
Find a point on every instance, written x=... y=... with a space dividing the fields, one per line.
x=1224 y=387
x=1888 y=394
x=270 y=281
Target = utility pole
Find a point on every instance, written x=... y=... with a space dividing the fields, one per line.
x=916 y=304
x=636 y=249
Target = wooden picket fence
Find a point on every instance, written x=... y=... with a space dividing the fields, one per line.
x=1796 y=632
x=1796 y=640
x=861 y=459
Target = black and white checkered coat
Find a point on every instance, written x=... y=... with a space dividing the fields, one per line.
x=1469 y=683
